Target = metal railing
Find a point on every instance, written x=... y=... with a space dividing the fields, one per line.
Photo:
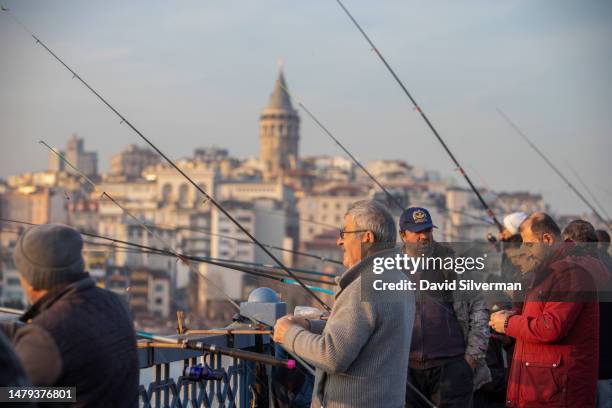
x=168 y=387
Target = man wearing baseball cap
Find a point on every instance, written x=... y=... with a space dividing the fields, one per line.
x=74 y=334
x=450 y=337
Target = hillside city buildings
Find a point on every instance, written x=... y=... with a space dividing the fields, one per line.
x=284 y=199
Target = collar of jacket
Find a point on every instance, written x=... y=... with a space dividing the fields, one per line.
x=543 y=270
x=364 y=265
x=55 y=294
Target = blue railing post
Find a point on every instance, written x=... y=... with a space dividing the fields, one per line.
x=263 y=305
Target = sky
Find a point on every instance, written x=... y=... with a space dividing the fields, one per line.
x=198 y=73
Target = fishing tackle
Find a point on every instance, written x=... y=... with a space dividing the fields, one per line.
x=202 y=372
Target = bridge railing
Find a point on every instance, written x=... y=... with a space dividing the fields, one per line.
x=163 y=383
x=162 y=380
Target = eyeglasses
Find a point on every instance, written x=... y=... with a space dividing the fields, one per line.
x=342 y=232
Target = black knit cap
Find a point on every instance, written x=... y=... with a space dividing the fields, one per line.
x=49 y=254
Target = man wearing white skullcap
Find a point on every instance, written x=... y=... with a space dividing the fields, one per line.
x=512 y=222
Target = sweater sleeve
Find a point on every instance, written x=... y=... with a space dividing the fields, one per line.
x=478 y=329
x=345 y=334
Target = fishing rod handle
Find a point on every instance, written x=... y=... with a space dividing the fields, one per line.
x=245 y=355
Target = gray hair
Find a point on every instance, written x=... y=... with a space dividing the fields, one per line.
x=373 y=216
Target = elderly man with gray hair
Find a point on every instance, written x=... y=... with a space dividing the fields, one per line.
x=361 y=351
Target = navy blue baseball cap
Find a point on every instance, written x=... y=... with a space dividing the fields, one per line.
x=415 y=219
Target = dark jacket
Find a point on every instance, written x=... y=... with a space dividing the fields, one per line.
x=80 y=336
x=605 y=323
x=435 y=318
x=556 y=352
x=472 y=314
x=11 y=374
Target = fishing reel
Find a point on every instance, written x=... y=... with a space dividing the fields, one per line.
x=203 y=372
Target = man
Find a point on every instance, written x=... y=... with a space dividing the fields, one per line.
x=603 y=238
x=512 y=222
x=604 y=384
x=510 y=240
x=360 y=353
x=584 y=232
x=74 y=334
x=556 y=351
x=580 y=231
x=450 y=337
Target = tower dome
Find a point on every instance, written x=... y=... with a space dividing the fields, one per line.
x=279 y=132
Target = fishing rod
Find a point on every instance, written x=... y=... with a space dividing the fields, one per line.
x=274 y=274
x=207 y=196
x=552 y=166
x=417 y=108
x=173 y=228
x=200 y=258
x=298 y=270
x=10 y=310
x=588 y=190
x=242 y=240
x=210 y=260
x=212 y=348
x=390 y=197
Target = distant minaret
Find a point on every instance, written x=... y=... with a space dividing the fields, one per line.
x=279 y=132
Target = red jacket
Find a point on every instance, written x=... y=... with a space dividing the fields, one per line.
x=556 y=354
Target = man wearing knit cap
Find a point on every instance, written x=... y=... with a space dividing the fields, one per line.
x=74 y=334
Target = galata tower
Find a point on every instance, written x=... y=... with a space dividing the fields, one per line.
x=279 y=132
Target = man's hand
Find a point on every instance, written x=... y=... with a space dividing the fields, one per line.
x=302 y=321
x=471 y=362
x=498 y=320
x=282 y=326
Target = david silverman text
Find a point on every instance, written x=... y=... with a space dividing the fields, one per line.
x=466 y=285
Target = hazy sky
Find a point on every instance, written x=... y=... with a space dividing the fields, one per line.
x=197 y=73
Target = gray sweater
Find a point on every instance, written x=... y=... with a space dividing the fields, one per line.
x=361 y=353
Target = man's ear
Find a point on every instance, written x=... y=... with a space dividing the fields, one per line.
x=367 y=237
x=548 y=239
